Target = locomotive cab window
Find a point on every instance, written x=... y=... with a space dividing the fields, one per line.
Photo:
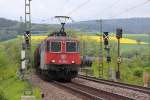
x=55 y=46
x=71 y=47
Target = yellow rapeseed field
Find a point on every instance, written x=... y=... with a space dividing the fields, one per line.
x=112 y=38
x=38 y=38
x=95 y=38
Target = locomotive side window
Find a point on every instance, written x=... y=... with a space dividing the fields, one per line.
x=71 y=46
x=55 y=46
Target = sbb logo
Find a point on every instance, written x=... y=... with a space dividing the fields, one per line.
x=63 y=57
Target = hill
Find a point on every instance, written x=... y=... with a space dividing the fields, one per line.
x=10 y=29
x=132 y=25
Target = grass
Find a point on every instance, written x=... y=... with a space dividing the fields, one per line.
x=14 y=88
x=10 y=86
x=141 y=37
x=131 y=70
x=133 y=47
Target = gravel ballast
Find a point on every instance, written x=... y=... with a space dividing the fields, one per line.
x=122 y=91
x=50 y=91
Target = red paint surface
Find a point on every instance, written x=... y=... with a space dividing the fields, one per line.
x=62 y=58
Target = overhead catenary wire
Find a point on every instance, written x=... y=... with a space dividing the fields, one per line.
x=105 y=10
x=63 y=7
x=131 y=8
x=113 y=4
x=108 y=7
x=78 y=7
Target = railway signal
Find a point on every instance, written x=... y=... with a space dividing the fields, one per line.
x=118 y=36
x=106 y=43
x=105 y=38
x=119 y=33
x=108 y=59
x=107 y=48
x=27 y=36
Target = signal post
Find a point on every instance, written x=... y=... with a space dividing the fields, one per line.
x=108 y=57
x=118 y=36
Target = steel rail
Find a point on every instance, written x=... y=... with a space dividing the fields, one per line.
x=118 y=84
x=92 y=93
x=76 y=90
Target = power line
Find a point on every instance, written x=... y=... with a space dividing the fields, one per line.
x=112 y=5
x=67 y=0
x=78 y=7
x=65 y=5
x=131 y=8
x=109 y=7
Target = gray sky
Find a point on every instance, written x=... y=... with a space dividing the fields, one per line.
x=94 y=9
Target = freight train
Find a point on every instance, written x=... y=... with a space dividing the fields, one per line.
x=58 y=57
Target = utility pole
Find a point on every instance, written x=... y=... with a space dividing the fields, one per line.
x=27 y=34
x=26 y=42
x=149 y=49
x=83 y=55
x=100 y=64
x=21 y=25
x=28 y=15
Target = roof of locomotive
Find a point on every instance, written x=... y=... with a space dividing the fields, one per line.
x=61 y=38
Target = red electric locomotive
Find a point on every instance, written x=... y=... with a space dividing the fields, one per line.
x=58 y=57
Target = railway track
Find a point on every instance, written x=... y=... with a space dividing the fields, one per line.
x=117 y=84
x=78 y=89
x=91 y=93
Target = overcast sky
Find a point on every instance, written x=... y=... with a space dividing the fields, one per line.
x=94 y=9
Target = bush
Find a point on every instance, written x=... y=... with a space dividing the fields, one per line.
x=138 y=72
x=2 y=96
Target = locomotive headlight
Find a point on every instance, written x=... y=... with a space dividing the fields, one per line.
x=73 y=62
x=53 y=61
x=63 y=42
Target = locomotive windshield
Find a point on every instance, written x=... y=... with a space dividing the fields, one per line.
x=55 y=46
x=71 y=46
